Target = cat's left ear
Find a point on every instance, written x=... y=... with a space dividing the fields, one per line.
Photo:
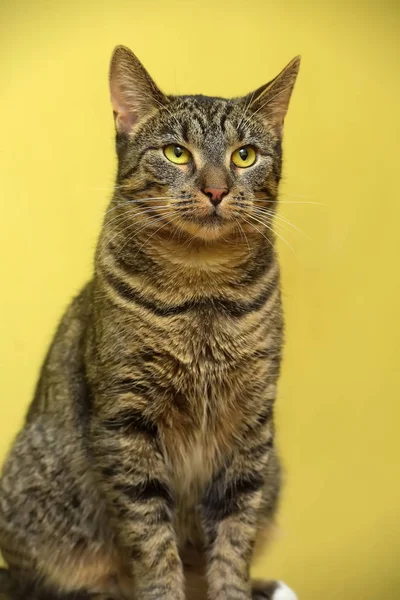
x=271 y=101
x=134 y=95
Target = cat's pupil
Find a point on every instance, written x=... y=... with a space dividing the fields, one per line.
x=178 y=151
x=243 y=153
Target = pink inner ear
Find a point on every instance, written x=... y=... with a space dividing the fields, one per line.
x=124 y=118
x=124 y=121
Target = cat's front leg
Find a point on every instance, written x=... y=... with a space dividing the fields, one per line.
x=135 y=483
x=230 y=513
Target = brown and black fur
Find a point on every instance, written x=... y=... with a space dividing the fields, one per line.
x=148 y=450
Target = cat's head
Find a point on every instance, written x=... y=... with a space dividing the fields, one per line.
x=201 y=165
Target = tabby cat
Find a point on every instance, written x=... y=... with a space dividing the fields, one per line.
x=147 y=467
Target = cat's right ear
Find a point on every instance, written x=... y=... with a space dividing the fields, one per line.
x=271 y=101
x=134 y=95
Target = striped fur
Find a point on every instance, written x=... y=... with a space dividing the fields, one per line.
x=148 y=451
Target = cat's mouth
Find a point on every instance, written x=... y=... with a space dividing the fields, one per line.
x=213 y=218
x=209 y=226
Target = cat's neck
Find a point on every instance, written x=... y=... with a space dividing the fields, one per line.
x=226 y=259
x=199 y=255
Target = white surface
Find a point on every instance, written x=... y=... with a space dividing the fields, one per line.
x=283 y=592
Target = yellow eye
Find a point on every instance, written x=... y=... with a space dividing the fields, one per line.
x=244 y=157
x=177 y=154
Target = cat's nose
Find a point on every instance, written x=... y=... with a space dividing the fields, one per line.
x=215 y=194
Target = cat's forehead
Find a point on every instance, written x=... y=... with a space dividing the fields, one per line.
x=203 y=118
x=211 y=107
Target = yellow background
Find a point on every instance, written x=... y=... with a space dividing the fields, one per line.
x=339 y=405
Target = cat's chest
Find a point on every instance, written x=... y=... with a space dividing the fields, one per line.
x=203 y=429
x=199 y=370
x=192 y=465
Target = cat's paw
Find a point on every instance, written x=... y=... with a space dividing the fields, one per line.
x=276 y=590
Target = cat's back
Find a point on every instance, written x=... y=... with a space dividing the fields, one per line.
x=62 y=391
x=47 y=491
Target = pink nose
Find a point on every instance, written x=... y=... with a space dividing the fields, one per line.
x=215 y=194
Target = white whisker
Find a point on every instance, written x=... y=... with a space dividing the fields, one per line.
x=270 y=228
x=157 y=230
x=148 y=220
x=137 y=201
x=242 y=232
x=278 y=217
x=135 y=213
x=277 y=201
x=260 y=232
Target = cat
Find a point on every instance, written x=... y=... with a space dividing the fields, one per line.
x=146 y=467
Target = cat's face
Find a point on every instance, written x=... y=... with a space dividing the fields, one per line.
x=204 y=166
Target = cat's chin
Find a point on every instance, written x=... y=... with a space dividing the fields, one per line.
x=208 y=231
